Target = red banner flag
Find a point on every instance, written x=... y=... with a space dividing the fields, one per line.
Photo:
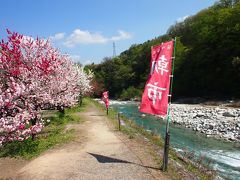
x=155 y=95
x=105 y=98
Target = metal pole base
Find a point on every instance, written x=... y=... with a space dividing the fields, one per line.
x=166 y=150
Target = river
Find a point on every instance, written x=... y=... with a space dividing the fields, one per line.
x=224 y=156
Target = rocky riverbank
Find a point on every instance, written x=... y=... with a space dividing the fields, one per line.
x=219 y=122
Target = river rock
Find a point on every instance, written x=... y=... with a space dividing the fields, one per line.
x=229 y=136
x=220 y=122
x=199 y=114
x=228 y=114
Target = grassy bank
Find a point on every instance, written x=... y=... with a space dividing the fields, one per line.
x=53 y=134
x=177 y=164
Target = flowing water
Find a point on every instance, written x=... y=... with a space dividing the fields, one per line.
x=224 y=156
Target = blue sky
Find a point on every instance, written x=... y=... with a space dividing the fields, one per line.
x=86 y=29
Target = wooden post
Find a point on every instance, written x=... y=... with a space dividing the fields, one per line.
x=119 y=122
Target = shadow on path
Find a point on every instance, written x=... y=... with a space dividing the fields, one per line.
x=106 y=159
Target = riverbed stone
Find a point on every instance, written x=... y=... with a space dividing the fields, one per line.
x=218 y=121
x=228 y=114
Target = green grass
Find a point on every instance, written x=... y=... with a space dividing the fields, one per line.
x=53 y=134
x=132 y=130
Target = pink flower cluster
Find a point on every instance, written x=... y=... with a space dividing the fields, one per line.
x=34 y=75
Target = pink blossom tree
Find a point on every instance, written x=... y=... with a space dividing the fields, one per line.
x=33 y=74
x=16 y=110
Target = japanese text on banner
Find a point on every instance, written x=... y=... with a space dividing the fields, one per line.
x=155 y=96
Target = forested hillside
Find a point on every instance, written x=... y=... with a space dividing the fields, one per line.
x=207 y=58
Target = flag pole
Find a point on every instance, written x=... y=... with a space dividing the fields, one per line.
x=167 y=135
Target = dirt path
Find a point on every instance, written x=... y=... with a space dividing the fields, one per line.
x=100 y=153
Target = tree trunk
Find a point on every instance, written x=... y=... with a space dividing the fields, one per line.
x=81 y=99
x=61 y=110
x=33 y=121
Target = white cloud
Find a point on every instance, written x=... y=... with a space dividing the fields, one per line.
x=28 y=38
x=79 y=36
x=75 y=58
x=181 y=19
x=84 y=37
x=58 y=36
x=122 y=35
